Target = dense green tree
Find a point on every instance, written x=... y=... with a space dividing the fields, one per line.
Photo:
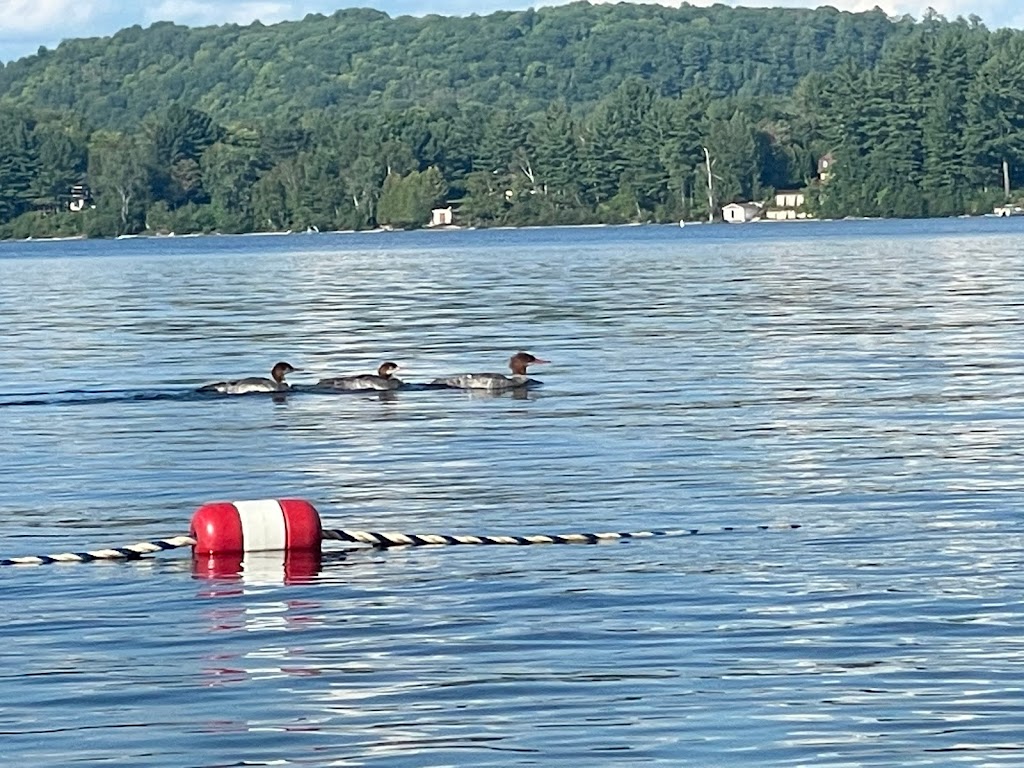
x=363 y=181
x=18 y=165
x=178 y=139
x=230 y=172
x=502 y=143
x=946 y=167
x=406 y=201
x=556 y=153
x=321 y=202
x=275 y=197
x=182 y=134
x=733 y=142
x=683 y=127
x=62 y=153
x=486 y=201
x=119 y=173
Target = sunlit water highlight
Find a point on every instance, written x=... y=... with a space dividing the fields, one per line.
x=859 y=378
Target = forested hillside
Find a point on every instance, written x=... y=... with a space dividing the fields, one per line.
x=576 y=114
x=576 y=53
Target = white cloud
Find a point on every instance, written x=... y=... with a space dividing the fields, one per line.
x=34 y=16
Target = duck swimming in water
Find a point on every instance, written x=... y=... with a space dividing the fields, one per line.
x=495 y=382
x=382 y=381
x=275 y=383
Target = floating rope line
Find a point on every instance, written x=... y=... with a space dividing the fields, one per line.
x=395 y=539
x=130 y=552
x=292 y=525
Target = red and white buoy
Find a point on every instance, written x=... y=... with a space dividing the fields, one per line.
x=268 y=525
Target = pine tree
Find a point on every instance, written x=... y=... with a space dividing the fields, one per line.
x=553 y=138
x=18 y=166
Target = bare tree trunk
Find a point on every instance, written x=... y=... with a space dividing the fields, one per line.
x=1006 y=179
x=711 y=195
x=126 y=198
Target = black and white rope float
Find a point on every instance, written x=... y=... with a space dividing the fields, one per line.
x=130 y=552
x=294 y=526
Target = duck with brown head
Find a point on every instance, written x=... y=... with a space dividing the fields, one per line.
x=495 y=382
x=383 y=380
x=275 y=383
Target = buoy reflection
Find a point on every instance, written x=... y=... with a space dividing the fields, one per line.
x=258 y=567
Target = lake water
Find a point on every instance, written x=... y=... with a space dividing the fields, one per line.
x=861 y=379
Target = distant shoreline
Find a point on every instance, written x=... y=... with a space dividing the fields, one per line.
x=719 y=224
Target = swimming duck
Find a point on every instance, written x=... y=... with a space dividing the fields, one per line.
x=495 y=382
x=275 y=383
x=382 y=380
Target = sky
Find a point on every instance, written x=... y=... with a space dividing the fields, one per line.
x=25 y=25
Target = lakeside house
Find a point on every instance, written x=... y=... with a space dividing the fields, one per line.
x=738 y=213
x=80 y=198
x=441 y=217
x=1008 y=210
x=825 y=163
x=788 y=204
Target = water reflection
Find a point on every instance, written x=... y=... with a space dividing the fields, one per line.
x=259 y=567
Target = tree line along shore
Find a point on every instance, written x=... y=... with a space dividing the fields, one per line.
x=576 y=114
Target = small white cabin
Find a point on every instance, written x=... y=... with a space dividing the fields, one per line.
x=737 y=213
x=441 y=217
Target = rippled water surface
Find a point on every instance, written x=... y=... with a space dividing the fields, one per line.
x=861 y=379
